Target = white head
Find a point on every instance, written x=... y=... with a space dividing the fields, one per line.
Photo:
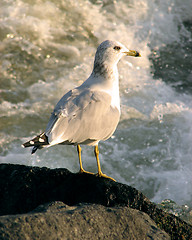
x=109 y=53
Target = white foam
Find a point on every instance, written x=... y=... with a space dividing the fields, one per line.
x=50 y=53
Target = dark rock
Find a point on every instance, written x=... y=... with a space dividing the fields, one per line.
x=23 y=188
x=60 y=221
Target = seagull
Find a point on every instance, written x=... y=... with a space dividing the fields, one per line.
x=89 y=113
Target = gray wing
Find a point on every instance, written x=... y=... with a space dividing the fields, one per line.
x=81 y=117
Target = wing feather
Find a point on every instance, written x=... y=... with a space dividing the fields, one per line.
x=80 y=117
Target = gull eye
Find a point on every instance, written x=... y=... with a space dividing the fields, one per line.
x=117 y=48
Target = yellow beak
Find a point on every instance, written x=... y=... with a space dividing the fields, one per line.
x=133 y=53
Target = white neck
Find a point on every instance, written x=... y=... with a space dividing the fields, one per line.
x=107 y=82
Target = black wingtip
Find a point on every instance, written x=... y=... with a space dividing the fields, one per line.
x=39 y=141
x=27 y=144
x=34 y=149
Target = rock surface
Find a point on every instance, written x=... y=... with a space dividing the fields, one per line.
x=60 y=221
x=89 y=207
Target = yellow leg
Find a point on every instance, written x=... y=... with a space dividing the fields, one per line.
x=100 y=174
x=80 y=162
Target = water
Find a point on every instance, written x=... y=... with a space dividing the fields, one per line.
x=47 y=48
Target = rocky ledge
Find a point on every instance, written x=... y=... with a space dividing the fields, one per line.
x=43 y=203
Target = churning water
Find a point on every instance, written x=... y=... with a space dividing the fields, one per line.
x=48 y=47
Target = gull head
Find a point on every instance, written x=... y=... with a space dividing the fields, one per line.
x=110 y=52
